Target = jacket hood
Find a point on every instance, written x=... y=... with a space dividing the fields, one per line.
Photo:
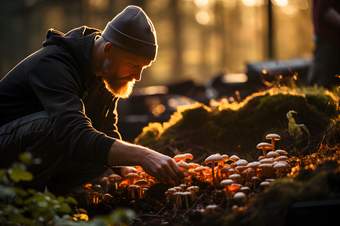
x=78 y=42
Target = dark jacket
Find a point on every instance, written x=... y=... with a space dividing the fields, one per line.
x=58 y=79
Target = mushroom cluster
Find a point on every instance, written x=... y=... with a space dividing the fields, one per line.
x=235 y=177
x=134 y=185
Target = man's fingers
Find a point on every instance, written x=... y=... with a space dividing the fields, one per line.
x=176 y=169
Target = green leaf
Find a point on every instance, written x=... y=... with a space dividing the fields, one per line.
x=18 y=174
x=26 y=158
x=6 y=193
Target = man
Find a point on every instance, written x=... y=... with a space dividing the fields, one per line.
x=325 y=69
x=60 y=103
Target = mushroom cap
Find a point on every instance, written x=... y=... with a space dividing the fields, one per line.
x=114 y=178
x=264 y=146
x=212 y=207
x=234 y=187
x=264 y=184
x=281 y=165
x=245 y=189
x=273 y=136
x=281 y=158
x=234 y=176
x=193 y=165
x=131 y=175
x=281 y=152
x=241 y=162
x=193 y=188
x=240 y=169
x=141 y=182
x=87 y=186
x=234 y=158
x=272 y=154
x=225 y=157
x=226 y=182
x=133 y=186
x=239 y=196
x=213 y=158
x=267 y=161
x=183 y=157
x=201 y=169
x=171 y=190
x=266 y=165
x=225 y=169
x=269 y=180
x=253 y=164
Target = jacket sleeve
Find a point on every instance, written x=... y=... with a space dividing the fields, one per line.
x=59 y=92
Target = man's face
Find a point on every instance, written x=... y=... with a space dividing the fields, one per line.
x=120 y=71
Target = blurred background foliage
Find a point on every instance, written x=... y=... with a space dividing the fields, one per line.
x=198 y=38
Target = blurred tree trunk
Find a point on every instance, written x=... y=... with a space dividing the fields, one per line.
x=220 y=31
x=177 y=30
x=270 y=30
x=204 y=50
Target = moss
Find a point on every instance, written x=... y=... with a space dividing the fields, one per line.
x=237 y=128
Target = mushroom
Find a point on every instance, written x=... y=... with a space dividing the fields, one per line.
x=200 y=171
x=273 y=137
x=264 y=147
x=241 y=162
x=225 y=172
x=264 y=184
x=132 y=177
x=193 y=190
x=272 y=154
x=239 y=198
x=266 y=170
x=281 y=168
x=234 y=158
x=143 y=184
x=133 y=191
x=107 y=198
x=187 y=199
x=267 y=161
x=170 y=195
x=245 y=189
x=105 y=183
x=114 y=180
x=211 y=161
x=96 y=194
x=236 y=177
x=88 y=187
x=211 y=209
x=248 y=173
x=225 y=184
x=255 y=181
x=234 y=187
x=281 y=152
x=183 y=157
x=281 y=158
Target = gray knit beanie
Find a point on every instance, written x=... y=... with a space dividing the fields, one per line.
x=133 y=31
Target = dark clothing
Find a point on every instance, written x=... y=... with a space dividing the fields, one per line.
x=323 y=29
x=58 y=80
x=326 y=62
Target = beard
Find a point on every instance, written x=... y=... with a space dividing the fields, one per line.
x=122 y=89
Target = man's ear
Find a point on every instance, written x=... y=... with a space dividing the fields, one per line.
x=108 y=49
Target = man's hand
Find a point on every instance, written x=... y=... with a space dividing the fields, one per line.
x=154 y=163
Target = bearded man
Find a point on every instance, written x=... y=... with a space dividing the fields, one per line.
x=60 y=102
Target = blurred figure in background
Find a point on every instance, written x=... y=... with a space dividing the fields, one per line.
x=325 y=68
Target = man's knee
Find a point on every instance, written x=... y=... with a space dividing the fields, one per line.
x=22 y=135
